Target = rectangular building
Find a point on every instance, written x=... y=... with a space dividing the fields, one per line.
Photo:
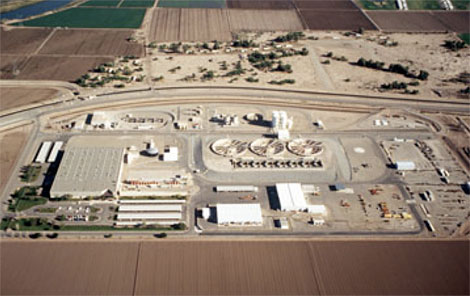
x=89 y=171
x=43 y=152
x=174 y=217
x=405 y=165
x=55 y=151
x=291 y=197
x=239 y=214
x=236 y=188
x=150 y=208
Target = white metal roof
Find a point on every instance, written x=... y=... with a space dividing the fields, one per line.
x=150 y=208
x=291 y=196
x=152 y=201
x=55 y=151
x=43 y=152
x=237 y=188
x=239 y=213
x=150 y=216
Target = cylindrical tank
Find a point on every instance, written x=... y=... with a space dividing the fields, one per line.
x=282 y=120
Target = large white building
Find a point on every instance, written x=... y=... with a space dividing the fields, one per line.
x=239 y=214
x=291 y=198
x=88 y=171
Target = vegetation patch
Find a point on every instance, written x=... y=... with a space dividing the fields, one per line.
x=393 y=68
x=192 y=3
x=461 y=5
x=25 y=198
x=90 y=18
x=424 y=5
x=137 y=3
x=465 y=37
x=378 y=5
x=30 y=173
x=101 y=3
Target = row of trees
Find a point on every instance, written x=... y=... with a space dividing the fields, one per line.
x=394 y=68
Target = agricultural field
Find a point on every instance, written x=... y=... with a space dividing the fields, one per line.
x=420 y=21
x=335 y=20
x=100 y=3
x=265 y=4
x=296 y=267
x=378 y=5
x=59 y=68
x=461 y=4
x=457 y=21
x=189 y=25
x=12 y=142
x=68 y=268
x=192 y=3
x=92 y=42
x=424 y=5
x=137 y=3
x=90 y=18
x=13 y=97
x=11 y=65
x=264 y=20
x=325 y=4
x=22 y=40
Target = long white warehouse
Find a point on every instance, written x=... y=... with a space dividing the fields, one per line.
x=148 y=216
x=152 y=201
x=150 y=208
x=239 y=214
x=43 y=152
x=291 y=197
x=236 y=188
x=55 y=151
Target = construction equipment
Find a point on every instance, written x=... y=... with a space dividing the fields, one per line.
x=248 y=197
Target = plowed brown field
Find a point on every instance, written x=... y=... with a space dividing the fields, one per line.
x=59 y=68
x=11 y=144
x=300 y=267
x=335 y=19
x=458 y=21
x=181 y=24
x=325 y=4
x=409 y=21
x=12 y=97
x=92 y=42
x=264 y=20
x=68 y=268
x=260 y=4
x=10 y=65
x=22 y=41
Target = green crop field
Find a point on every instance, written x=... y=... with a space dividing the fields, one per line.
x=465 y=37
x=192 y=3
x=90 y=18
x=137 y=3
x=103 y=3
x=378 y=5
x=461 y=4
x=423 y=5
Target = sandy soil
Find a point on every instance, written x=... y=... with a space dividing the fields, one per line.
x=11 y=144
x=22 y=41
x=415 y=51
x=13 y=97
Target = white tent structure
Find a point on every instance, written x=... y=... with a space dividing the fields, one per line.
x=239 y=214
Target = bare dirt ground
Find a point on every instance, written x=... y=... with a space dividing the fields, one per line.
x=421 y=21
x=11 y=144
x=12 y=97
x=92 y=42
x=415 y=51
x=64 y=68
x=10 y=65
x=335 y=19
x=410 y=21
x=179 y=24
x=264 y=4
x=68 y=268
x=264 y=20
x=22 y=41
x=275 y=267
